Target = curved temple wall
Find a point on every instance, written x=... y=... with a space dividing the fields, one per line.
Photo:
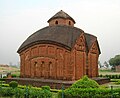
x=59 y=51
x=54 y=62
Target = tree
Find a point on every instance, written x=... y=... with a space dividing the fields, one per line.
x=115 y=61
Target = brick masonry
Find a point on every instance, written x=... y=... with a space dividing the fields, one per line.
x=54 y=84
x=52 y=61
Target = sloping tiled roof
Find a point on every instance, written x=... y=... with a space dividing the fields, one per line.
x=61 y=14
x=90 y=39
x=64 y=36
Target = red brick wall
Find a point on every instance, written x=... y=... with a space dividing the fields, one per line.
x=80 y=57
x=93 y=61
x=45 y=60
x=54 y=62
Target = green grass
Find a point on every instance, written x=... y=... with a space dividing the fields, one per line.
x=105 y=70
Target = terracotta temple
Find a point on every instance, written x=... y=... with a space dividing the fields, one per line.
x=59 y=51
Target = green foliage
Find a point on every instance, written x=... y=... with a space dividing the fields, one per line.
x=105 y=70
x=46 y=88
x=115 y=61
x=37 y=93
x=90 y=93
x=60 y=94
x=4 y=77
x=117 y=81
x=6 y=92
x=18 y=93
x=13 y=84
x=55 y=90
x=117 y=76
x=78 y=90
x=85 y=82
x=13 y=75
x=21 y=93
x=5 y=85
x=83 y=93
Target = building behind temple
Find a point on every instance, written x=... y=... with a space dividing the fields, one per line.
x=59 y=51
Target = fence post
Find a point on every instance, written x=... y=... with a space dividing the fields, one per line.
x=62 y=91
x=112 y=91
x=1 y=84
x=26 y=92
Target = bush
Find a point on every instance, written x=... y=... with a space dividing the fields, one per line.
x=85 y=82
x=100 y=75
x=12 y=93
x=13 y=84
x=5 y=85
x=24 y=93
x=39 y=93
x=118 y=82
x=46 y=88
x=14 y=75
x=90 y=93
x=18 y=93
x=87 y=88
x=6 y=92
x=4 y=77
x=111 y=76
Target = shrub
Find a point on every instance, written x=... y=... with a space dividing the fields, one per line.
x=90 y=93
x=14 y=75
x=24 y=93
x=83 y=88
x=18 y=93
x=5 y=85
x=13 y=84
x=46 y=88
x=85 y=82
x=111 y=76
x=6 y=92
x=118 y=82
x=100 y=75
x=39 y=93
x=4 y=77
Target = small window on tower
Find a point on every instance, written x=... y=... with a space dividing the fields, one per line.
x=56 y=22
x=69 y=23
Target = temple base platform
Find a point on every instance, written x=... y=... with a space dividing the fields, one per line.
x=55 y=84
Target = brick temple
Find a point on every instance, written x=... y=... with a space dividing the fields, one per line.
x=59 y=51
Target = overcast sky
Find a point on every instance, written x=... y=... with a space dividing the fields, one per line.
x=20 y=18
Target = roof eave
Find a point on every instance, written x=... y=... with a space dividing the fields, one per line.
x=43 y=42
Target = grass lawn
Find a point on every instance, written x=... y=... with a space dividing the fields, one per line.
x=108 y=72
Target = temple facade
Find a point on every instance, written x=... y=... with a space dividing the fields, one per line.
x=59 y=51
